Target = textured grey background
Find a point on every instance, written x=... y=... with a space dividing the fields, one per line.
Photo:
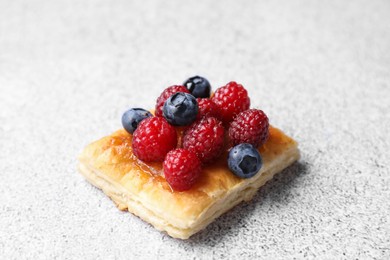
x=320 y=69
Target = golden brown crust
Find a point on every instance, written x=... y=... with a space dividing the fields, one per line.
x=110 y=165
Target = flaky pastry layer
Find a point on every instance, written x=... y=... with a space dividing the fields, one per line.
x=110 y=165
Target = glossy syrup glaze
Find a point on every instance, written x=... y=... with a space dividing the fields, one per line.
x=119 y=147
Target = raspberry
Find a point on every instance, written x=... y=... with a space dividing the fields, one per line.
x=207 y=108
x=182 y=169
x=153 y=139
x=250 y=126
x=165 y=95
x=205 y=138
x=231 y=100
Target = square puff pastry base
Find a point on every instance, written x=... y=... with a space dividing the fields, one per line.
x=110 y=165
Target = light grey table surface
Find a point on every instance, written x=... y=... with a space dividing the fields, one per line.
x=320 y=70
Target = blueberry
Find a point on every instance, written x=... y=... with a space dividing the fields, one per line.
x=180 y=109
x=244 y=160
x=132 y=117
x=198 y=86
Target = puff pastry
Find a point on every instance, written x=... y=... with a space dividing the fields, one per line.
x=110 y=165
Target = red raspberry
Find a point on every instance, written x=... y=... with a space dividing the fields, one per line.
x=205 y=138
x=207 y=108
x=250 y=126
x=153 y=139
x=182 y=169
x=165 y=95
x=231 y=100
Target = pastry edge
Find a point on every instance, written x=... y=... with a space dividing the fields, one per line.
x=241 y=192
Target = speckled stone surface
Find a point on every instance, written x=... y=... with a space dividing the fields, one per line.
x=320 y=69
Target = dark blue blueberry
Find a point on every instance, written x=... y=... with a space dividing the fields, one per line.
x=132 y=117
x=244 y=160
x=180 y=109
x=198 y=86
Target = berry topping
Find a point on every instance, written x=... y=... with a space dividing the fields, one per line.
x=250 y=126
x=231 y=100
x=180 y=109
x=198 y=86
x=181 y=169
x=205 y=138
x=153 y=139
x=244 y=160
x=207 y=108
x=132 y=117
x=165 y=95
